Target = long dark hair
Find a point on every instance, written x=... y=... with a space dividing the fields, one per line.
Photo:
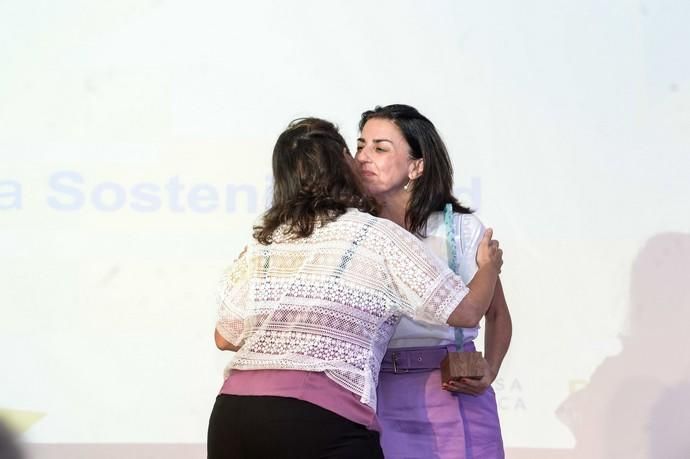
x=314 y=181
x=434 y=188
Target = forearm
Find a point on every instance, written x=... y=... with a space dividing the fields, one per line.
x=223 y=344
x=498 y=330
x=475 y=304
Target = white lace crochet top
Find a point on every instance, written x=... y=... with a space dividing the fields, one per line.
x=330 y=302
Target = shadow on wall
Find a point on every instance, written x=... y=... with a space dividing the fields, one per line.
x=637 y=403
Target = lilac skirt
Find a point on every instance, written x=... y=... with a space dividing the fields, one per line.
x=420 y=420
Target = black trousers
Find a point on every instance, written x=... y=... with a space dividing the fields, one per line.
x=258 y=427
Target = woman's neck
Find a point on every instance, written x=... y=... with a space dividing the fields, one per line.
x=393 y=208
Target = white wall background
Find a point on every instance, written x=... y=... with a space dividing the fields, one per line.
x=135 y=142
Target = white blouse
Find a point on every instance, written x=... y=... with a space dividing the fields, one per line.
x=468 y=233
x=330 y=302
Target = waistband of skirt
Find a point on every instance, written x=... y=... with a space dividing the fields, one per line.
x=418 y=359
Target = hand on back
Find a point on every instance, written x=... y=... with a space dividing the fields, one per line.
x=489 y=254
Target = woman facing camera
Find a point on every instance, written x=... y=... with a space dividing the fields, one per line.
x=406 y=168
x=311 y=303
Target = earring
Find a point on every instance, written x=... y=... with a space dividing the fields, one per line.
x=407 y=186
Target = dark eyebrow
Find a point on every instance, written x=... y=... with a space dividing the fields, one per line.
x=375 y=140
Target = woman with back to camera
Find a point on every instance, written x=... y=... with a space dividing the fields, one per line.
x=311 y=302
x=406 y=168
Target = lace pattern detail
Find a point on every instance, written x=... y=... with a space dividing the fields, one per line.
x=330 y=302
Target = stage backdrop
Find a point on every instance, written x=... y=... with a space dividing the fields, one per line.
x=135 y=145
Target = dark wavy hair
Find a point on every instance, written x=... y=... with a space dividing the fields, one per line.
x=434 y=188
x=314 y=180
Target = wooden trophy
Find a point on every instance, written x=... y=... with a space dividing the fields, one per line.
x=457 y=365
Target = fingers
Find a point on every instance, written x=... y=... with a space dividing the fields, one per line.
x=488 y=234
x=495 y=254
x=466 y=386
x=493 y=244
x=489 y=251
x=475 y=383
